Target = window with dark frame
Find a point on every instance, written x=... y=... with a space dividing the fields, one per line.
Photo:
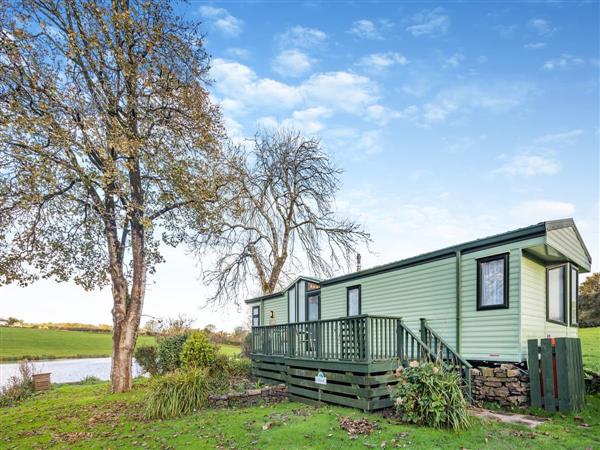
x=256 y=316
x=574 y=312
x=492 y=282
x=556 y=295
x=314 y=307
x=353 y=301
x=292 y=305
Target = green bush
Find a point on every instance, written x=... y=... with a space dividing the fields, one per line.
x=169 y=349
x=177 y=393
x=18 y=387
x=240 y=367
x=147 y=358
x=198 y=351
x=247 y=345
x=429 y=395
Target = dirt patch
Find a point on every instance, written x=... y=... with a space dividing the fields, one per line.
x=519 y=419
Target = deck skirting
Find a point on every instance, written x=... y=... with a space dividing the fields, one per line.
x=355 y=384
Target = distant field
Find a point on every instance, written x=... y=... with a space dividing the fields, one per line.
x=30 y=343
x=590 y=347
x=230 y=350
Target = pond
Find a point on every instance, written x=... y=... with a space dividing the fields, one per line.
x=67 y=370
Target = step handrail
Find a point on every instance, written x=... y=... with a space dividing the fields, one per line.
x=453 y=360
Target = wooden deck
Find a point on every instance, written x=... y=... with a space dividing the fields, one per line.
x=357 y=356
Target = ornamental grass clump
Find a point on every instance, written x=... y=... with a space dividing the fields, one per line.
x=429 y=395
x=177 y=393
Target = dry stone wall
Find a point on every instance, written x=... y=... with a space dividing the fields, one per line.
x=506 y=385
x=250 y=397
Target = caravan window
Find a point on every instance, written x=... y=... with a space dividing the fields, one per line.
x=556 y=308
x=255 y=316
x=492 y=282
x=353 y=301
x=292 y=305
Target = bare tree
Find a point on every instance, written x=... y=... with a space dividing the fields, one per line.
x=279 y=217
x=106 y=133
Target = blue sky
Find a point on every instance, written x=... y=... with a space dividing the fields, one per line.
x=452 y=121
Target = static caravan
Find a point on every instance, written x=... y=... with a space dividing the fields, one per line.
x=477 y=301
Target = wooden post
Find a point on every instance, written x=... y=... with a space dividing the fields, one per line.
x=533 y=364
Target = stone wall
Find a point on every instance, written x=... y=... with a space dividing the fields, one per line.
x=506 y=385
x=250 y=397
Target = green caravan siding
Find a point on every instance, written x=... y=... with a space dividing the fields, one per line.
x=565 y=241
x=533 y=319
x=425 y=290
x=494 y=334
x=279 y=307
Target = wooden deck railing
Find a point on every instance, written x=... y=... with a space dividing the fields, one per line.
x=446 y=354
x=363 y=338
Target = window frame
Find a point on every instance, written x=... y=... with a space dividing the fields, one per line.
x=314 y=293
x=505 y=304
x=294 y=287
x=257 y=308
x=566 y=290
x=348 y=289
x=574 y=323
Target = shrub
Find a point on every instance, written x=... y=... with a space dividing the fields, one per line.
x=147 y=358
x=18 y=387
x=90 y=379
x=429 y=395
x=176 y=393
x=240 y=367
x=247 y=345
x=169 y=349
x=198 y=351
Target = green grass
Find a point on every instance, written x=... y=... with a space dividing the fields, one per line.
x=31 y=343
x=230 y=350
x=590 y=347
x=87 y=416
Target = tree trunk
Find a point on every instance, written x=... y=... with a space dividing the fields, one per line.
x=120 y=372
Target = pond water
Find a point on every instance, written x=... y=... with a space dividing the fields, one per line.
x=67 y=370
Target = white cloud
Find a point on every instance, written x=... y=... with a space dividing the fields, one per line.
x=535 y=45
x=382 y=114
x=301 y=37
x=379 y=62
x=239 y=82
x=222 y=20
x=540 y=210
x=528 y=165
x=565 y=61
x=367 y=29
x=454 y=61
x=292 y=63
x=236 y=52
x=369 y=142
x=540 y=26
x=495 y=97
x=566 y=138
x=346 y=91
x=429 y=22
x=309 y=120
x=506 y=31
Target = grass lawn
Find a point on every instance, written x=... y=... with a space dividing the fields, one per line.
x=30 y=343
x=87 y=416
x=230 y=350
x=590 y=347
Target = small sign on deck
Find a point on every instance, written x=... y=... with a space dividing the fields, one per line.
x=320 y=378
